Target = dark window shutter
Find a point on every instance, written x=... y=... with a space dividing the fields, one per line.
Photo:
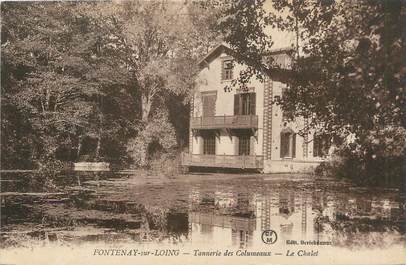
x=283 y=145
x=293 y=145
x=209 y=105
x=237 y=104
x=252 y=103
x=222 y=71
x=252 y=144
x=316 y=146
x=236 y=145
x=212 y=105
x=326 y=146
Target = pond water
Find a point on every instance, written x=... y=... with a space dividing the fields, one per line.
x=230 y=210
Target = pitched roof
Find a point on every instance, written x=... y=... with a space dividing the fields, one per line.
x=224 y=47
x=214 y=53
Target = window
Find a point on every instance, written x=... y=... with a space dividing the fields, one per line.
x=244 y=104
x=321 y=145
x=209 y=104
x=209 y=144
x=227 y=73
x=288 y=144
x=244 y=142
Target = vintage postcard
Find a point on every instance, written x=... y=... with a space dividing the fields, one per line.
x=203 y=132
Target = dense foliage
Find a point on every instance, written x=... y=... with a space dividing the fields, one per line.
x=97 y=81
x=347 y=77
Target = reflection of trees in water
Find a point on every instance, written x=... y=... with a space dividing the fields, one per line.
x=363 y=232
x=345 y=217
x=359 y=220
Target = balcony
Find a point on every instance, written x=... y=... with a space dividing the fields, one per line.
x=220 y=122
x=223 y=161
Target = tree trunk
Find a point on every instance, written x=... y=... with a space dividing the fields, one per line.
x=99 y=137
x=47 y=101
x=144 y=154
x=79 y=148
x=146 y=109
x=98 y=147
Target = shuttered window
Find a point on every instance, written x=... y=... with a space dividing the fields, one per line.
x=244 y=104
x=209 y=104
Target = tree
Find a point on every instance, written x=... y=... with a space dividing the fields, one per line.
x=84 y=78
x=46 y=72
x=51 y=68
x=154 y=59
x=346 y=77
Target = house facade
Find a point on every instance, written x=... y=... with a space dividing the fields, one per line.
x=235 y=128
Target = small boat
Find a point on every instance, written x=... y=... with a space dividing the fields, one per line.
x=91 y=166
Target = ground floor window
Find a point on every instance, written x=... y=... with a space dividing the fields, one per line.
x=209 y=144
x=288 y=144
x=244 y=144
x=321 y=145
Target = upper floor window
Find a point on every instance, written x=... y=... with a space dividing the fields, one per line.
x=209 y=103
x=227 y=70
x=244 y=104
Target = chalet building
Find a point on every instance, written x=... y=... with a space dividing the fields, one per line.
x=234 y=128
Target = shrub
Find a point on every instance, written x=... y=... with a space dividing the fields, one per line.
x=167 y=164
x=373 y=157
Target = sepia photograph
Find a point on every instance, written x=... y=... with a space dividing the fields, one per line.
x=203 y=132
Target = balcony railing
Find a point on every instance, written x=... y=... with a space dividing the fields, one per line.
x=223 y=161
x=219 y=122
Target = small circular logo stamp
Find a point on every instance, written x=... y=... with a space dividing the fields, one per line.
x=269 y=237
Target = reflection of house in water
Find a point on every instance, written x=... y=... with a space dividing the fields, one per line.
x=289 y=214
x=225 y=199
x=225 y=229
x=236 y=219
x=229 y=219
x=239 y=219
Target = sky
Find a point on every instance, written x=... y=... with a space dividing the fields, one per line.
x=281 y=39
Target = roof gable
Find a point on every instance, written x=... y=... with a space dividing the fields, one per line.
x=223 y=47
x=214 y=53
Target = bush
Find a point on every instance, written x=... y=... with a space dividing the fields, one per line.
x=167 y=164
x=363 y=168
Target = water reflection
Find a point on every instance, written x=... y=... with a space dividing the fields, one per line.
x=224 y=212
x=239 y=219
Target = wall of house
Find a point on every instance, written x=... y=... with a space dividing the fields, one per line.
x=210 y=79
x=301 y=162
x=278 y=125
